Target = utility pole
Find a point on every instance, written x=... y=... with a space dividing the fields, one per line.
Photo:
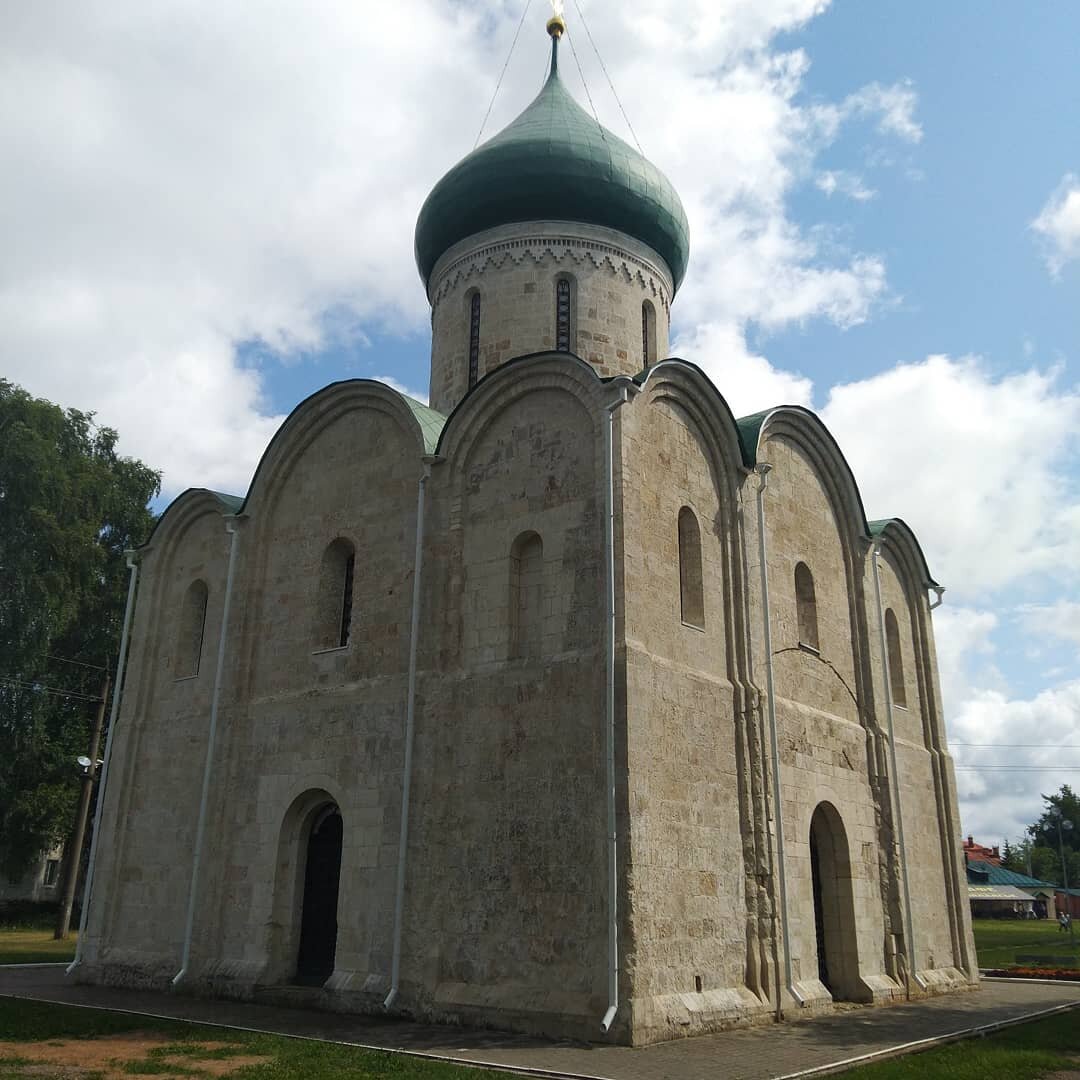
x=75 y=845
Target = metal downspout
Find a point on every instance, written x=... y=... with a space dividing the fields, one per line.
x=612 y=834
x=894 y=785
x=208 y=768
x=763 y=469
x=410 y=727
x=121 y=660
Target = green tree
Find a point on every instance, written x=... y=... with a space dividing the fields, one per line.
x=69 y=507
x=1044 y=834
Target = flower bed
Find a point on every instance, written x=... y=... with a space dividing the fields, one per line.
x=1071 y=974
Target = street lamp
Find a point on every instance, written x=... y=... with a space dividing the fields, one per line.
x=1063 y=826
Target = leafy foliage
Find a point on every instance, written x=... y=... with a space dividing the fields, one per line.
x=1040 y=851
x=69 y=507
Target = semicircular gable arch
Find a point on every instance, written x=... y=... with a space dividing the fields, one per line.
x=806 y=430
x=510 y=382
x=691 y=390
x=899 y=538
x=178 y=517
x=316 y=413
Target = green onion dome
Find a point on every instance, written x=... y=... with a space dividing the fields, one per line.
x=554 y=163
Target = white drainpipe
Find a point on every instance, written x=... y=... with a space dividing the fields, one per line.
x=133 y=576
x=208 y=768
x=410 y=726
x=763 y=469
x=895 y=785
x=612 y=835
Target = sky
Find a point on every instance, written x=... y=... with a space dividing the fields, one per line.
x=207 y=214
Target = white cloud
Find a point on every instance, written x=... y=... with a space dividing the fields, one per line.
x=1022 y=750
x=401 y=388
x=181 y=178
x=834 y=181
x=1060 y=619
x=1058 y=224
x=748 y=382
x=978 y=465
x=893 y=106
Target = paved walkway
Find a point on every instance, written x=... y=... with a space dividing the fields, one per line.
x=763 y=1053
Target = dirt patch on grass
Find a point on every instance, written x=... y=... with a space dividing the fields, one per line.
x=117 y=1057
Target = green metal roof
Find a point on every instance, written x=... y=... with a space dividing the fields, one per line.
x=431 y=422
x=998 y=875
x=554 y=163
x=232 y=503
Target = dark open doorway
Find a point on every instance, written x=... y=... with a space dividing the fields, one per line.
x=318 y=920
x=834 y=906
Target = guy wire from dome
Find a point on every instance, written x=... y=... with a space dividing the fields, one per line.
x=554 y=163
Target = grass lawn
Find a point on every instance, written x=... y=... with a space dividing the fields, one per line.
x=998 y=941
x=1019 y=1053
x=33 y=946
x=39 y=1040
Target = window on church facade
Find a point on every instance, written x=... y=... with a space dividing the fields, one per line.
x=334 y=603
x=474 y=339
x=897 y=682
x=691 y=585
x=806 y=603
x=527 y=595
x=648 y=333
x=564 y=315
x=192 y=625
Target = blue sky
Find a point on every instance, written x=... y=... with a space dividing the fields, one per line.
x=209 y=215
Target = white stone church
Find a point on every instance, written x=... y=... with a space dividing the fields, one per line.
x=568 y=704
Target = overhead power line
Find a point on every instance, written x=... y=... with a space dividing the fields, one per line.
x=55 y=691
x=603 y=68
x=77 y=663
x=1014 y=745
x=517 y=34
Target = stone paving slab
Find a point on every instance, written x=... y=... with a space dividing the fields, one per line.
x=762 y=1053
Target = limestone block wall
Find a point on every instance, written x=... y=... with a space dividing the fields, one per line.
x=303 y=717
x=156 y=771
x=929 y=827
x=692 y=956
x=823 y=743
x=514 y=269
x=506 y=906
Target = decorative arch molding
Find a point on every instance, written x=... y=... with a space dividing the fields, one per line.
x=182 y=513
x=567 y=252
x=508 y=383
x=317 y=413
x=808 y=434
x=687 y=387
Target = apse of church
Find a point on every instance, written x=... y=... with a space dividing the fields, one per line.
x=568 y=704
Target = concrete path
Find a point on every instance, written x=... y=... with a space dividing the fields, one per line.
x=784 y=1050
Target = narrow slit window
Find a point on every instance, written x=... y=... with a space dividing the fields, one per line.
x=897 y=682
x=648 y=333
x=334 y=601
x=474 y=339
x=806 y=603
x=527 y=595
x=691 y=586
x=192 y=630
x=563 y=314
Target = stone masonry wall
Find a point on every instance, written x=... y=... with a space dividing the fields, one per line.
x=514 y=268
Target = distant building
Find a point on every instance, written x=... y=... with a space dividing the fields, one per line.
x=994 y=891
x=981 y=853
x=40 y=884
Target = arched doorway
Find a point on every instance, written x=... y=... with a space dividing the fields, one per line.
x=318 y=918
x=834 y=906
